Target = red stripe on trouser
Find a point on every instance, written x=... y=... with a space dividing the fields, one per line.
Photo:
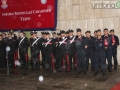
x=14 y=59
x=67 y=61
x=62 y=62
x=26 y=57
x=38 y=57
x=53 y=67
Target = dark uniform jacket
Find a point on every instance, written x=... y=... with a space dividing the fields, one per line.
x=23 y=44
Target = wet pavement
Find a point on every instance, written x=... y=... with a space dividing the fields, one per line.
x=19 y=79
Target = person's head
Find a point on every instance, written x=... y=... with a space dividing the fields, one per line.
x=4 y=34
x=58 y=35
x=112 y=32
x=105 y=31
x=1 y=36
x=47 y=35
x=70 y=32
x=79 y=32
x=98 y=32
x=88 y=33
x=43 y=34
x=62 y=33
x=34 y=34
x=9 y=34
x=95 y=33
x=53 y=34
x=66 y=33
x=21 y=33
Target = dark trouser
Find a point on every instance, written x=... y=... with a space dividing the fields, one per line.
x=64 y=61
x=3 y=59
x=43 y=58
x=57 y=57
x=35 y=61
x=81 y=54
x=11 y=59
x=23 y=59
x=48 y=60
x=108 y=53
x=72 y=56
x=90 y=55
x=100 y=56
x=114 y=54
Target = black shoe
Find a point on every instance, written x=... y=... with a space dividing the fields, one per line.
x=78 y=72
x=110 y=70
x=115 y=67
x=96 y=73
x=92 y=69
x=104 y=74
x=84 y=72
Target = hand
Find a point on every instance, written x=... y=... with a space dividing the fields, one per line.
x=86 y=46
x=113 y=44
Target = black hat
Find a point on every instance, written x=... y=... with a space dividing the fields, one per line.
x=21 y=31
x=47 y=33
x=33 y=32
x=87 y=32
x=9 y=33
x=95 y=31
x=58 y=33
x=53 y=32
x=105 y=28
x=67 y=32
x=112 y=30
x=70 y=30
x=62 y=31
x=78 y=30
x=42 y=32
x=24 y=33
x=99 y=30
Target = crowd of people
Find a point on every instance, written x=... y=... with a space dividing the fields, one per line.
x=63 y=51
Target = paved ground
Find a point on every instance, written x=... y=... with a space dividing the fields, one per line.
x=28 y=80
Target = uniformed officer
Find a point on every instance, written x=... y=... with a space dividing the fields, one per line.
x=11 y=44
x=99 y=53
x=35 y=46
x=64 y=60
x=108 y=48
x=42 y=50
x=14 y=37
x=81 y=46
x=48 y=50
x=57 y=56
x=72 y=49
x=115 y=43
x=4 y=36
x=23 y=50
x=95 y=33
x=54 y=41
x=90 y=50
x=2 y=52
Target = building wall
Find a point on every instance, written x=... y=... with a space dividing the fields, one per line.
x=74 y=14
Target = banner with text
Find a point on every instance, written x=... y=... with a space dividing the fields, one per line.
x=28 y=14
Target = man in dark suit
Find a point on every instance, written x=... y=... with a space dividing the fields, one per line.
x=115 y=44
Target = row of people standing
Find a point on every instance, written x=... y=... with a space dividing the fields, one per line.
x=66 y=50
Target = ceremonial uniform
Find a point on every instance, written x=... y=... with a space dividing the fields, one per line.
x=72 y=50
x=23 y=51
x=49 y=58
x=35 y=46
x=63 y=49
